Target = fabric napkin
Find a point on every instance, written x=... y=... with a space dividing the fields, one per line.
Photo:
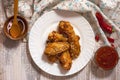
x=33 y=9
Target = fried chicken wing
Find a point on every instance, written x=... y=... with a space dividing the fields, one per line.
x=66 y=29
x=74 y=48
x=65 y=60
x=56 y=48
x=56 y=37
x=52 y=58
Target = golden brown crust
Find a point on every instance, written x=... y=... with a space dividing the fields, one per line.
x=52 y=58
x=54 y=36
x=56 y=48
x=65 y=60
x=73 y=39
x=65 y=28
x=75 y=47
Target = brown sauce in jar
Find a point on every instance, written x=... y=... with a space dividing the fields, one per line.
x=106 y=57
x=20 y=23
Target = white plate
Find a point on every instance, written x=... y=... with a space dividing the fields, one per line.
x=46 y=24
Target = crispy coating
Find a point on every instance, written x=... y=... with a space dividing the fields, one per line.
x=65 y=60
x=56 y=48
x=74 y=48
x=66 y=29
x=56 y=37
x=52 y=58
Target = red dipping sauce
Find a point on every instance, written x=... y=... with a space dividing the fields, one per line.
x=106 y=57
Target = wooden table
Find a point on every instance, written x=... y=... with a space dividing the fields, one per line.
x=16 y=64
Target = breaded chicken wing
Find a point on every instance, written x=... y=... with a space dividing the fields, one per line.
x=56 y=37
x=66 y=29
x=52 y=58
x=56 y=48
x=65 y=60
x=74 y=48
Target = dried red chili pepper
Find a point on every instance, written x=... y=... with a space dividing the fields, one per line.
x=97 y=37
x=105 y=26
x=110 y=39
x=99 y=16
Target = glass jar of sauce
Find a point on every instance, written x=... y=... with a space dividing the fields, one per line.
x=23 y=27
x=106 y=57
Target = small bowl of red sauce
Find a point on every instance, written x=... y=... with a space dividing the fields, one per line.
x=106 y=57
